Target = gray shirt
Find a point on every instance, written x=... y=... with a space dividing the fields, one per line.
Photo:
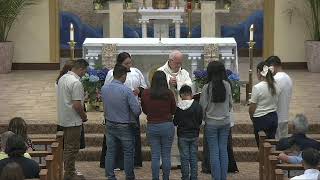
x=216 y=113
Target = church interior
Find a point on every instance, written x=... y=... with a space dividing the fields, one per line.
x=240 y=33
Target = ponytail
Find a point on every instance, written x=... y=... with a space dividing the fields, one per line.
x=270 y=81
x=266 y=72
x=215 y=71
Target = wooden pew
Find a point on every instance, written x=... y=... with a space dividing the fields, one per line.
x=279 y=174
x=43 y=175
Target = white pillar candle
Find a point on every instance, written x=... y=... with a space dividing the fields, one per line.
x=71 y=32
x=251 y=32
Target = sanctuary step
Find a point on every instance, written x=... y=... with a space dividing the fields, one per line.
x=94 y=128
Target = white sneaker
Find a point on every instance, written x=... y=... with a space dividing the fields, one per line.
x=78 y=173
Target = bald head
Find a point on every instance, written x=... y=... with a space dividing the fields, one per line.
x=175 y=60
x=4 y=137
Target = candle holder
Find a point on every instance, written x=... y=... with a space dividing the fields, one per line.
x=176 y=4
x=251 y=46
x=72 y=47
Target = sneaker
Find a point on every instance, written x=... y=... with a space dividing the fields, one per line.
x=78 y=173
x=117 y=169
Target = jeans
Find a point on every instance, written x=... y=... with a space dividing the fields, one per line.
x=217 y=139
x=160 y=137
x=71 y=144
x=122 y=133
x=188 y=148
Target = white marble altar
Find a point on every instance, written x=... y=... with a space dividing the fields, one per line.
x=161 y=19
x=198 y=51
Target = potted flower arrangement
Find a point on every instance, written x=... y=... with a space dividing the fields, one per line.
x=9 y=11
x=201 y=78
x=92 y=83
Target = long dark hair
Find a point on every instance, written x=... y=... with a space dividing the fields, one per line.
x=159 y=86
x=122 y=56
x=12 y=171
x=216 y=75
x=269 y=77
x=18 y=126
x=67 y=67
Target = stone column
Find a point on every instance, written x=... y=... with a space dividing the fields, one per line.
x=208 y=18
x=116 y=19
x=177 y=27
x=144 y=27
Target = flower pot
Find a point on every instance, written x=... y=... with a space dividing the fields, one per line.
x=6 y=55
x=313 y=55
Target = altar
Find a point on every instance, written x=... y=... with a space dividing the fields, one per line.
x=150 y=53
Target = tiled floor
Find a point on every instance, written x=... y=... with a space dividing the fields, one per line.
x=31 y=95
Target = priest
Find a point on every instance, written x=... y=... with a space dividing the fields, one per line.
x=176 y=77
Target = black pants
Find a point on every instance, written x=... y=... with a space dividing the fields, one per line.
x=267 y=123
x=119 y=158
x=232 y=164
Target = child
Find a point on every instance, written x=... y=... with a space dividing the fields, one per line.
x=311 y=158
x=188 y=118
x=263 y=103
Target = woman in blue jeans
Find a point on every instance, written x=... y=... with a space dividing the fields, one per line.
x=216 y=101
x=159 y=104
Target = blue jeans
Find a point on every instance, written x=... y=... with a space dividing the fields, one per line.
x=122 y=133
x=217 y=139
x=160 y=137
x=188 y=148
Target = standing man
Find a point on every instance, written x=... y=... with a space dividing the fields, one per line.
x=71 y=113
x=120 y=104
x=176 y=77
x=285 y=83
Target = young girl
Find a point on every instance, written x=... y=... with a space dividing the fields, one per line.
x=159 y=104
x=18 y=126
x=216 y=101
x=263 y=103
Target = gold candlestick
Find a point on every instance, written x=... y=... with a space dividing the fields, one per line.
x=251 y=46
x=189 y=11
x=72 y=47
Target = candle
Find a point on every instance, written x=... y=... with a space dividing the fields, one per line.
x=251 y=32
x=71 y=32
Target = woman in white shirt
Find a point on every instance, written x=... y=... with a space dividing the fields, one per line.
x=136 y=82
x=263 y=103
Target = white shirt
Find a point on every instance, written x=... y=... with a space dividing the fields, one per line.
x=261 y=95
x=309 y=174
x=285 y=85
x=135 y=79
x=69 y=89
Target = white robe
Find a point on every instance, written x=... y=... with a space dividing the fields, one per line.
x=135 y=79
x=182 y=77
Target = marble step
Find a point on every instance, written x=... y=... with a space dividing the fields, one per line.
x=99 y=128
x=242 y=154
x=238 y=140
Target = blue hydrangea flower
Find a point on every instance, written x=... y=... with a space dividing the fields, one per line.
x=102 y=74
x=93 y=78
x=199 y=74
x=91 y=71
x=234 y=77
x=229 y=72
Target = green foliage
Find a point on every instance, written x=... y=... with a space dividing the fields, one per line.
x=9 y=10
x=314 y=20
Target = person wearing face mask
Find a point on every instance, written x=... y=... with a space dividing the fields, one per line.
x=136 y=82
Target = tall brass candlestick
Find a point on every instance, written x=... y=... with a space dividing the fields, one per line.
x=251 y=46
x=72 y=47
